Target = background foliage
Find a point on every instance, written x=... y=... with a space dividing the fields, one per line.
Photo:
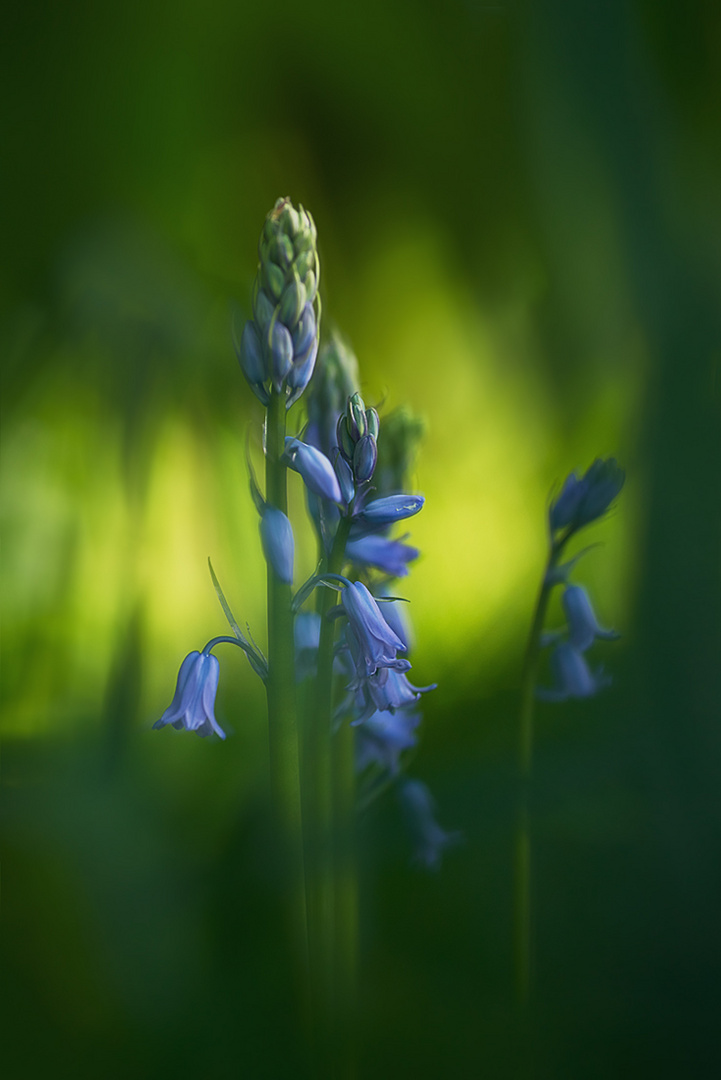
x=520 y=232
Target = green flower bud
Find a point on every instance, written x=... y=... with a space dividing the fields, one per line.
x=356 y=413
x=373 y=421
x=291 y=303
x=263 y=308
x=274 y=279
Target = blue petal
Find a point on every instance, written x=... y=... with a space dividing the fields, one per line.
x=276 y=534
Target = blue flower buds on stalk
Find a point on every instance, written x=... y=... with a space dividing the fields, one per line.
x=357 y=435
x=278 y=347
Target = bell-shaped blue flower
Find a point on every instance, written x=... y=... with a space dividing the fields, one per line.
x=430 y=839
x=390 y=556
x=193 y=703
x=377 y=642
x=276 y=534
x=572 y=677
x=391 y=508
x=390 y=689
x=582 y=501
x=583 y=628
x=383 y=737
x=314 y=467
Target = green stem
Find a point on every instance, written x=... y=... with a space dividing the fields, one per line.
x=282 y=727
x=523 y=912
x=319 y=795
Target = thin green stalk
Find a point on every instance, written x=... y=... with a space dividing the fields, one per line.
x=319 y=799
x=282 y=727
x=522 y=860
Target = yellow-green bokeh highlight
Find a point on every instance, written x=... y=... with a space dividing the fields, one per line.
x=88 y=546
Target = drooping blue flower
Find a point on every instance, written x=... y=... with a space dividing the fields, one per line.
x=376 y=641
x=572 y=677
x=314 y=467
x=430 y=839
x=582 y=501
x=390 y=556
x=383 y=737
x=276 y=534
x=389 y=688
x=583 y=628
x=193 y=704
x=390 y=509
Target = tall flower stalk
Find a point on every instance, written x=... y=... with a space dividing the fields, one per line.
x=341 y=709
x=580 y=502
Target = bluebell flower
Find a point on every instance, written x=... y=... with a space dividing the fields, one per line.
x=430 y=839
x=383 y=738
x=582 y=501
x=314 y=467
x=390 y=556
x=276 y=534
x=583 y=628
x=193 y=703
x=391 y=508
x=376 y=641
x=572 y=677
x=389 y=688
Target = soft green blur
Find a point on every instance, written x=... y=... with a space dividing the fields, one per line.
x=519 y=231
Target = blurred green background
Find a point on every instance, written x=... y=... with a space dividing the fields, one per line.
x=518 y=214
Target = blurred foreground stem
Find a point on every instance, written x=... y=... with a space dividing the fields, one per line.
x=282 y=726
x=523 y=945
x=329 y=794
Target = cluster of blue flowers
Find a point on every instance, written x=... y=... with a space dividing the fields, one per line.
x=580 y=502
x=355 y=478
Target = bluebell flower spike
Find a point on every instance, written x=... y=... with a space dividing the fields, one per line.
x=193 y=704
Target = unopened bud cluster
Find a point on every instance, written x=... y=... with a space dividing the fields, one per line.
x=279 y=345
x=357 y=438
